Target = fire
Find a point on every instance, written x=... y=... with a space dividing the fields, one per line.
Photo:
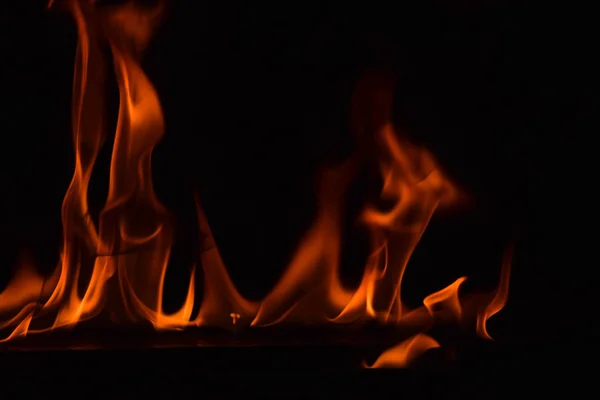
x=127 y=254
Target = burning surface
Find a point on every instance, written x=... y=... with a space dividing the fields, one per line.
x=126 y=255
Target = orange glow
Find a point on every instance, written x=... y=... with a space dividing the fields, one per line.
x=24 y=288
x=125 y=258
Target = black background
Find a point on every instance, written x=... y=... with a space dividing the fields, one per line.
x=257 y=98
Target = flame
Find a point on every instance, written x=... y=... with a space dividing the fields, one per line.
x=127 y=254
x=310 y=290
x=404 y=353
x=413 y=181
x=418 y=188
x=446 y=300
x=79 y=233
x=500 y=296
x=219 y=291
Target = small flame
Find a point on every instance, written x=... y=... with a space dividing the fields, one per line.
x=500 y=296
x=403 y=354
x=446 y=300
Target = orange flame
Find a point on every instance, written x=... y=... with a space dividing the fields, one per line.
x=79 y=232
x=220 y=293
x=446 y=300
x=403 y=354
x=310 y=290
x=126 y=256
x=134 y=237
x=500 y=296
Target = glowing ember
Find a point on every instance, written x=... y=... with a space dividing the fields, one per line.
x=234 y=317
x=127 y=254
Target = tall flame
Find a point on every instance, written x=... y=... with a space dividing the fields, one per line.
x=126 y=256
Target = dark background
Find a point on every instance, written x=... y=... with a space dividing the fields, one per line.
x=257 y=98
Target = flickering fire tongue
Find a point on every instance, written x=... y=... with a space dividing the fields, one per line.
x=126 y=256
